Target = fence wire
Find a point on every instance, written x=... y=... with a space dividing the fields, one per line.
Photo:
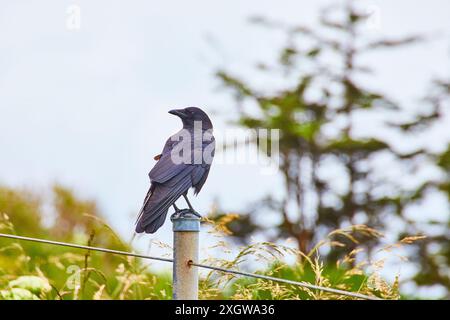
x=236 y=272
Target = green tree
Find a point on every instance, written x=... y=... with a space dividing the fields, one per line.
x=433 y=254
x=331 y=170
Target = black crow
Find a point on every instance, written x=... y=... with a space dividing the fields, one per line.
x=183 y=164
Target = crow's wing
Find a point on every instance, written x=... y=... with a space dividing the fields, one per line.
x=200 y=173
x=158 y=173
x=198 y=176
x=165 y=169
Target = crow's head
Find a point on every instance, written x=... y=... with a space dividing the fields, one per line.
x=191 y=115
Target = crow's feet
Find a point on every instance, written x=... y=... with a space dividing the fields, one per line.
x=195 y=213
x=181 y=213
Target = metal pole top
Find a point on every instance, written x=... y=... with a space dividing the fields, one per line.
x=185 y=220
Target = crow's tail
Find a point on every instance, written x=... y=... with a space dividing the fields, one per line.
x=154 y=224
x=158 y=201
x=147 y=198
x=152 y=216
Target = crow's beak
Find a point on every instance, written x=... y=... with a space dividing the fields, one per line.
x=178 y=112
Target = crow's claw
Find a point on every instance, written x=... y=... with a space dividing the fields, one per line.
x=195 y=213
x=185 y=213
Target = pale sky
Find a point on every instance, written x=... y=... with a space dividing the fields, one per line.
x=88 y=107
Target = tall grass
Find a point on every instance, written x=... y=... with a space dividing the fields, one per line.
x=32 y=272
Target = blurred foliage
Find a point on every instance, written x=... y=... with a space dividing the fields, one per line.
x=323 y=94
x=31 y=270
x=348 y=273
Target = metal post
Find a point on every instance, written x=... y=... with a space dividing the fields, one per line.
x=186 y=227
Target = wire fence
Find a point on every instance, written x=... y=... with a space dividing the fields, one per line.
x=200 y=265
